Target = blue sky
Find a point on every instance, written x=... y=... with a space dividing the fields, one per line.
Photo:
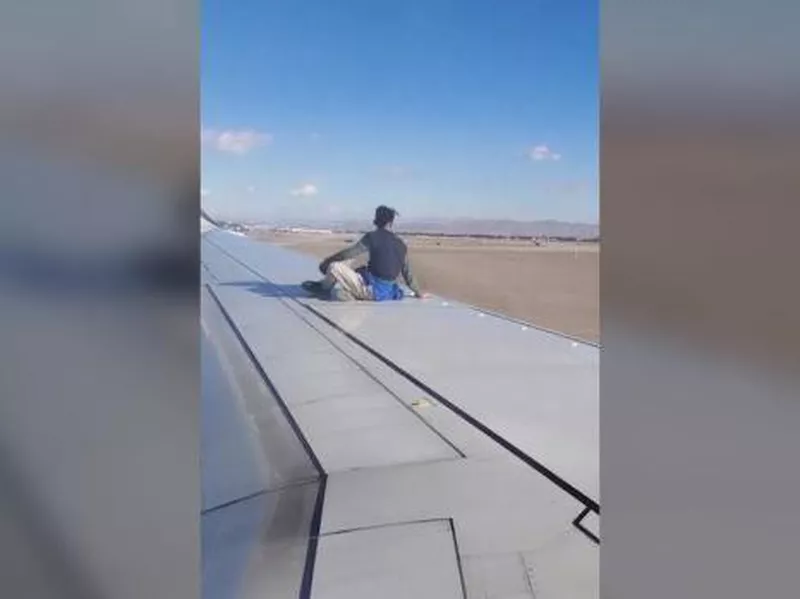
x=466 y=108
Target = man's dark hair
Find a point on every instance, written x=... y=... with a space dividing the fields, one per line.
x=384 y=216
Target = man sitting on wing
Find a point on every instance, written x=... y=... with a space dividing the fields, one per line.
x=388 y=259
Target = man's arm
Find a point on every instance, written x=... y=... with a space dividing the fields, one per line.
x=408 y=276
x=346 y=254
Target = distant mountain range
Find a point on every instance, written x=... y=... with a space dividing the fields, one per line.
x=478 y=227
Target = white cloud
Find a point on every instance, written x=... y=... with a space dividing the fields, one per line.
x=235 y=141
x=204 y=192
x=305 y=191
x=542 y=152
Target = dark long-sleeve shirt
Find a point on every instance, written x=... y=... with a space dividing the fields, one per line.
x=388 y=257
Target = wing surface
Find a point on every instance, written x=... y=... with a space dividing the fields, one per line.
x=366 y=444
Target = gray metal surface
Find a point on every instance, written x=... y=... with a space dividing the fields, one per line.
x=348 y=417
x=510 y=458
x=399 y=561
x=259 y=482
x=247 y=445
x=258 y=547
x=226 y=439
x=538 y=390
x=498 y=505
x=551 y=568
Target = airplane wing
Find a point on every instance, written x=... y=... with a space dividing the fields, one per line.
x=414 y=449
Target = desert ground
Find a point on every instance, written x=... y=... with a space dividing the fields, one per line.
x=555 y=286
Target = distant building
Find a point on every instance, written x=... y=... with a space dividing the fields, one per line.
x=304 y=230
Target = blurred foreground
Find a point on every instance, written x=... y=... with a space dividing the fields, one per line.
x=98 y=300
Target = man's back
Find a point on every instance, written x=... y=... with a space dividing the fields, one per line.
x=387 y=254
x=388 y=259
